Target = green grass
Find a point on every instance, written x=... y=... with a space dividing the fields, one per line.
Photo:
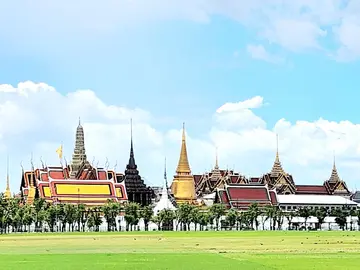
x=181 y=250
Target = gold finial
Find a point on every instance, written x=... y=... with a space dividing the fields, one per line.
x=216 y=159
x=277 y=168
x=277 y=147
x=183 y=132
x=183 y=165
x=7 y=190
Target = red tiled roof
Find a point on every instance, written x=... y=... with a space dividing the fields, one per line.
x=197 y=179
x=273 y=197
x=56 y=174
x=234 y=178
x=311 y=189
x=248 y=193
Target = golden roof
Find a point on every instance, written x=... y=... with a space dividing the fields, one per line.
x=7 y=193
x=183 y=165
x=334 y=178
x=277 y=168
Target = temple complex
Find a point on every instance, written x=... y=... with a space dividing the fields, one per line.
x=137 y=190
x=80 y=182
x=183 y=185
x=277 y=179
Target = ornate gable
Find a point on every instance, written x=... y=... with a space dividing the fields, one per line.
x=335 y=185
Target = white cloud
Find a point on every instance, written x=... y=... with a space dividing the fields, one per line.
x=36 y=118
x=295 y=25
x=251 y=103
x=260 y=53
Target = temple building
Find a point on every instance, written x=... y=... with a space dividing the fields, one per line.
x=79 y=155
x=166 y=200
x=236 y=191
x=207 y=183
x=137 y=191
x=183 y=185
x=284 y=183
x=241 y=196
x=80 y=182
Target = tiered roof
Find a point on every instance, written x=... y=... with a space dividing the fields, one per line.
x=135 y=185
x=94 y=186
x=241 y=196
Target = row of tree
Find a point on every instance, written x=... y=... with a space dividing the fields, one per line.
x=18 y=217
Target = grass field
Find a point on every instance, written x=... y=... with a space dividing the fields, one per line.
x=181 y=250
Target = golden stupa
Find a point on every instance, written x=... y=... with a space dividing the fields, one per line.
x=183 y=186
x=7 y=193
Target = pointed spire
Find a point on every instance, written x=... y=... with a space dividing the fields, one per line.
x=79 y=157
x=165 y=187
x=215 y=173
x=334 y=178
x=132 y=163
x=165 y=176
x=216 y=160
x=7 y=190
x=277 y=168
x=183 y=165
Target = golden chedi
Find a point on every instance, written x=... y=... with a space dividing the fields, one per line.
x=183 y=186
x=7 y=193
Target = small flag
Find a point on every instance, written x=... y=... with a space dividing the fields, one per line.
x=59 y=151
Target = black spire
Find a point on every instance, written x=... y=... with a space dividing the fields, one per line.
x=131 y=168
x=136 y=189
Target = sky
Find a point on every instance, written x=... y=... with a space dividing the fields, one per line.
x=236 y=72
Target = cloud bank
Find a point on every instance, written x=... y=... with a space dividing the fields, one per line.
x=34 y=117
x=329 y=26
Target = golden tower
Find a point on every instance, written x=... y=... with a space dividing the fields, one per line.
x=7 y=193
x=183 y=186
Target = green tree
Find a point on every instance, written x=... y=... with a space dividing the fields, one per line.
x=39 y=211
x=183 y=215
x=320 y=214
x=70 y=216
x=217 y=211
x=146 y=213
x=204 y=219
x=231 y=218
x=166 y=218
x=131 y=215
x=111 y=210
x=254 y=212
x=340 y=217
x=51 y=216
x=290 y=216
x=305 y=213
x=195 y=216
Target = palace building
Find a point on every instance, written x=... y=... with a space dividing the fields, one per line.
x=277 y=179
x=81 y=182
x=77 y=183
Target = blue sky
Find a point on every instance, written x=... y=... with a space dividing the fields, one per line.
x=182 y=61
